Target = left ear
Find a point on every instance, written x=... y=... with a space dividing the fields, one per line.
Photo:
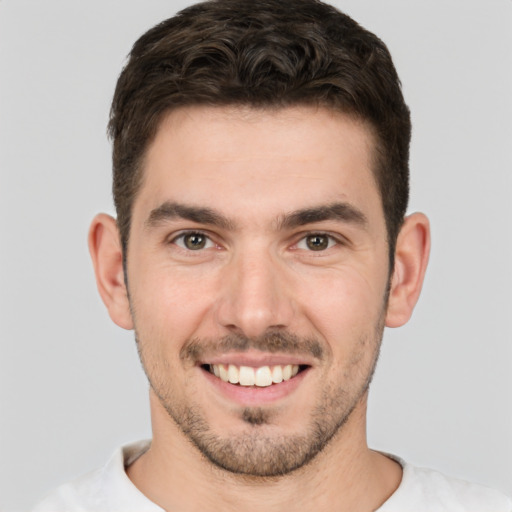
x=411 y=259
x=107 y=258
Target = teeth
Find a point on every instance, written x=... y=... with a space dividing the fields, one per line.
x=263 y=376
x=233 y=374
x=248 y=376
x=277 y=374
x=223 y=373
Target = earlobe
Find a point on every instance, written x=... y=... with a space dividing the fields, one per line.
x=107 y=259
x=411 y=259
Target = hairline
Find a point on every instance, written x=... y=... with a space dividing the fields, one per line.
x=376 y=161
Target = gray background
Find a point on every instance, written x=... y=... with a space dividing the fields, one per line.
x=71 y=388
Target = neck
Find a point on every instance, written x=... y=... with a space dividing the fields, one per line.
x=346 y=475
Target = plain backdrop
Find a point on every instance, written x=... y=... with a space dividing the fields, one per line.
x=71 y=387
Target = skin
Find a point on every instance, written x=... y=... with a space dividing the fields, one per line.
x=257 y=277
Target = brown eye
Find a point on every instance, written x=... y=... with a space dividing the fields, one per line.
x=193 y=241
x=317 y=242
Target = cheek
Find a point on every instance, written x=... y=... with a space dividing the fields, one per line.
x=168 y=306
x=343 y=306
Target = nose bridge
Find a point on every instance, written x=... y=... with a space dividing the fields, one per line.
x=254 y=298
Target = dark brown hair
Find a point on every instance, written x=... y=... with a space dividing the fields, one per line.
x=264 y=54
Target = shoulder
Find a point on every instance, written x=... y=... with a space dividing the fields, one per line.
x=425 y=490
x=78 y=495
x=105 y=489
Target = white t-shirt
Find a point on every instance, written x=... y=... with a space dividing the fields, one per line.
x=422 y=490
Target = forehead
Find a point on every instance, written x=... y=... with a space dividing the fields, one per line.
x=242 y=159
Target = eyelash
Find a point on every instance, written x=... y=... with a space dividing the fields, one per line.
x=181 y=237
x=331 y=241
x=209 y=243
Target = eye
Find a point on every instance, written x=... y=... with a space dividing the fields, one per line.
x=316 y=242
x=193 y=241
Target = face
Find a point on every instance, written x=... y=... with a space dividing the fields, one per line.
x=257 y=272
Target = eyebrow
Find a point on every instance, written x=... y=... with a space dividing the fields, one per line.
x=201 y=215
x=340 y=211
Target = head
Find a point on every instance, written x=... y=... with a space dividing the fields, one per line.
x=265 y=54
x=261 y=181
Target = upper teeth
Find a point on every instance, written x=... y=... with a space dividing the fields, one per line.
x=249 y=376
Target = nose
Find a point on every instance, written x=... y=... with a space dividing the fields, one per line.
x=255 y=295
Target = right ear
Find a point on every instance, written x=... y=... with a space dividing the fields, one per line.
x=107 y=258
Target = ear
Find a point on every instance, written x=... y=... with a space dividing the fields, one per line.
x=411 y=259
x=107 y=259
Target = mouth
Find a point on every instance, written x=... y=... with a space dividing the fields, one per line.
x=249 y=376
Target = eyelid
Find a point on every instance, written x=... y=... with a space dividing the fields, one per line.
x=181 y=234
x=299 y=237
x=336 y=238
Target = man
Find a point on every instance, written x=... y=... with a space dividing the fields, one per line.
x=260 y=247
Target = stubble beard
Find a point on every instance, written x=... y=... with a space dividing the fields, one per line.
x=257 y=452
x=260 y=455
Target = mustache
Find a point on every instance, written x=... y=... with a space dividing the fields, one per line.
x=199 y=349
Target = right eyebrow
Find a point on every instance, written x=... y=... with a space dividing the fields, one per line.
x=174 y=210
x=340 y=211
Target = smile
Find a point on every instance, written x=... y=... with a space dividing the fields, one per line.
x=262 y=376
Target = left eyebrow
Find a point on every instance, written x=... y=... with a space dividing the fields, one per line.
x=200 y=215
x=340 y=211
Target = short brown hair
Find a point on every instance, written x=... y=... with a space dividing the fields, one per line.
x=260 y=53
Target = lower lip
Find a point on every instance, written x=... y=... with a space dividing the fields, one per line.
x=254 y=395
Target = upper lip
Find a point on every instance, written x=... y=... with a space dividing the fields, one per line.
x=257 y=359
